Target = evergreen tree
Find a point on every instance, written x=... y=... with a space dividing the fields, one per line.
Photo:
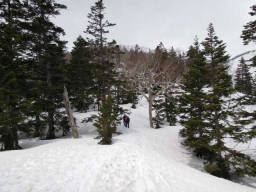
x=222 y=162
x=98 y=26
x=159 y=108
x=221 y=86
x=104 y=74
x=165 y=108
x=206 y=110
x=249 y=33
x=160 y=103
x=249 y=36
x=172 y=53
x=14 y=60
x=171 y=110
x=125 y=96
x=134 y=99
x=193 y=100
x=80 y=75
x=214 y=51
x=243 y=79
x=49 y=63
x=253 y=61
x=107 y=120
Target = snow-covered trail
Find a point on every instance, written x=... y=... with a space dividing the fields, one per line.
x=140 y=160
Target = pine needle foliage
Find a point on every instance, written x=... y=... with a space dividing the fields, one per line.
x=107 y=120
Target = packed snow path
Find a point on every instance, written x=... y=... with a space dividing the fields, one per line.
x=140 y=160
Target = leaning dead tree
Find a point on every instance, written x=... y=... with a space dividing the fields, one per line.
x=69 y=112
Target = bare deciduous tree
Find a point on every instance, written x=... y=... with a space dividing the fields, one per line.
x=152 y=73
x=153 y=77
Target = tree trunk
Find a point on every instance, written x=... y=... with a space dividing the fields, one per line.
x=51 y=133
x=15 y=139
x=71 y=120
x=150 y=103
x=218 y=132
x=10 y=140
x=37 y=132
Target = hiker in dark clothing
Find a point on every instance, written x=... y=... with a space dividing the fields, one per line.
x=126 y=121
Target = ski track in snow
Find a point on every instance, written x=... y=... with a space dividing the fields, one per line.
x=139 y=160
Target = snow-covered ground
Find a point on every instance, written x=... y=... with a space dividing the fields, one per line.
x=140 y=160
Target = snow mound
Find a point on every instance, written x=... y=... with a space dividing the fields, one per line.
x=140 y=160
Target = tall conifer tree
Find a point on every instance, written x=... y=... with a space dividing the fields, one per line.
x=249 y=36
x=104 y=74
x=105 y=77
x=219 y=108
x=80 y=74
x=193 y=101
x=49 y=62
x=249 y=33
x=13 y=70
x=207 y=108
x=243 y=78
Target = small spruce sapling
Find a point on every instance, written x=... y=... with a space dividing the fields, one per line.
x=108 y=119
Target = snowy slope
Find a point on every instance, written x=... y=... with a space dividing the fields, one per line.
x=140 y=160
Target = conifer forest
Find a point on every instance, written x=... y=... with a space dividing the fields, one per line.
x=107 y=117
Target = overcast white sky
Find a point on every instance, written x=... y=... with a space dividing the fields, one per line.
x=173 y=22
